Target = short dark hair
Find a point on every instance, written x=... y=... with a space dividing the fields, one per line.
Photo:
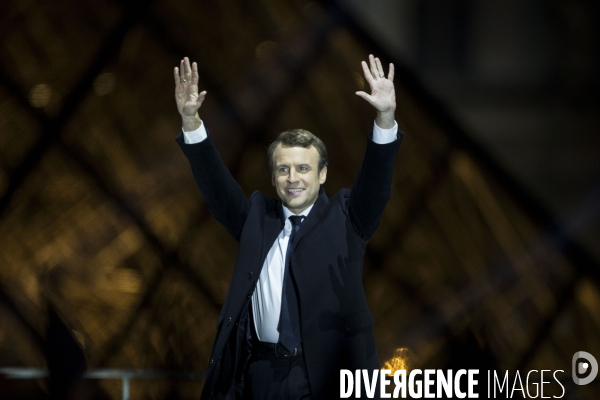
x=298 y=138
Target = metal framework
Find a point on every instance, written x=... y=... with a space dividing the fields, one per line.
x=100 y=221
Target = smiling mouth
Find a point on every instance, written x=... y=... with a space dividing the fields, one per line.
x=294 y=191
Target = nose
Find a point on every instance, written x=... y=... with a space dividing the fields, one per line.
x=291 y=176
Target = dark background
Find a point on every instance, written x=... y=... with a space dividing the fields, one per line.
x=487 y=254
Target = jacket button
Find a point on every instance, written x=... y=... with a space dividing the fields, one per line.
x=229 y=321
x=212 y=361
x=250 y=275
x=249 y=295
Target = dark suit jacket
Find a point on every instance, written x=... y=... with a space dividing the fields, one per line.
x=326 y=265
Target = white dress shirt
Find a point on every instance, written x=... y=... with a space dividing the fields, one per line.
x=266 y=299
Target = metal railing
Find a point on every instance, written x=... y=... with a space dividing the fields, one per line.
x=125 y=375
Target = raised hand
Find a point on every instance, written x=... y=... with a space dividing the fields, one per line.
x=383 y=95
x=186 y=94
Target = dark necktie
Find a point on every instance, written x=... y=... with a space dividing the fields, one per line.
x=289 y=319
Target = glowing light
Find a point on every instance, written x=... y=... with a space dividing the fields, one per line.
x=104 y=84
x=398 y=361
x=40 y=95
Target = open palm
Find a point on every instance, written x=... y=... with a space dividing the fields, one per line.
x=186 y=89
x=383 y=95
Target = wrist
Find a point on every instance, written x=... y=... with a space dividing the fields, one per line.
x=190 y=123
x=385 y=120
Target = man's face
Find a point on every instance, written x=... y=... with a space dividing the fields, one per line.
x=296 y=177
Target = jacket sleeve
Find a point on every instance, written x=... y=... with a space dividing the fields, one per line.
x=373 y=186
x=224 y=196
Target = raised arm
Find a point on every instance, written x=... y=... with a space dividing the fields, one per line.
x=373 y=185
x=224 y=197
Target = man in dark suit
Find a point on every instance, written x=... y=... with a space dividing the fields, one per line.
x=296 y=312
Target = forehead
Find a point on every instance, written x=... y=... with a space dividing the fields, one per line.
x=295 y=155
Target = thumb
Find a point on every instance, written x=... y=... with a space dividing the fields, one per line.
x=365 y=96
x=201 y=98
x=197 y=97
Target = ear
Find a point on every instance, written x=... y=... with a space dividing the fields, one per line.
x=272 y=179
x=323 y=175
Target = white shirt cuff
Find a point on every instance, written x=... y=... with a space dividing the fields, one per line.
x=195 y=136
x=384 y=136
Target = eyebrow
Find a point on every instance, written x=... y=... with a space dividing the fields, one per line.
x=287 y=165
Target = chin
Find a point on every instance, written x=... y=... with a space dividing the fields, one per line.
x=295 y=204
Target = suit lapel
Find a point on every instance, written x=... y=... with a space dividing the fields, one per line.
x=272 y=226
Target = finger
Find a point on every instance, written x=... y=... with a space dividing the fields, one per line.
x=195 y=76
x=391 y=73
x=200 y=99
x=181 y=70
x=373 y=66
x=176 y=76
x=365 y=96
x=379 y=68
x=367 y=73
x=187 y=71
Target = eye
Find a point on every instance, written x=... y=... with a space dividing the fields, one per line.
x=303 y=168
x=283 y=170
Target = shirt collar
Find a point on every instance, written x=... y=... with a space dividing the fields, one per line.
x=287 y=213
